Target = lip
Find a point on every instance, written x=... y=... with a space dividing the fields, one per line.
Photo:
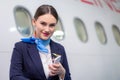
x=46 y=34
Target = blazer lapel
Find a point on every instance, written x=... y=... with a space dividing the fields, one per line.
x=36 y=59
x=54 y=49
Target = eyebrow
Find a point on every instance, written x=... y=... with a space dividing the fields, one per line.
x=47 y=23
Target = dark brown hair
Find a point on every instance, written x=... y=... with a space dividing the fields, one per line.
x=44 y=9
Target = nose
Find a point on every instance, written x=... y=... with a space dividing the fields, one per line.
x=47 y=28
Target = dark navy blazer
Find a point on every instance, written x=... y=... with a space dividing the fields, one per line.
x=26 y=63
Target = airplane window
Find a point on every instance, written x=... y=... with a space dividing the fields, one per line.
x=59 y=31
x=23 y=21
x=81 y=30
x=100 y=33
x=116 y=33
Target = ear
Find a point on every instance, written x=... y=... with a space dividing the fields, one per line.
x=33 y=22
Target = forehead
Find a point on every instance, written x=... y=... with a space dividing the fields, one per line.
x=47 y=18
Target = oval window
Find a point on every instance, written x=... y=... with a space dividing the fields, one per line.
x=23 y=21
x=59 y=31
x=81 y=30
x=116 y=34
x=100 y=33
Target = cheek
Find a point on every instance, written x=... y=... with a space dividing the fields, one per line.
x=53 y=29
x=37 y=29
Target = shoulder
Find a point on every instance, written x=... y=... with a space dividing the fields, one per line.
x=21 y=44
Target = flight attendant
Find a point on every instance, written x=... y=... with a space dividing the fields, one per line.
x=33 y=57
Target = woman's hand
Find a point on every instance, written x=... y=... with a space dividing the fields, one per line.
x=57 y=69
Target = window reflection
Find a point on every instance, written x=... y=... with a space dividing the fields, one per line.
x=100 y=33
x=81 y=30
x=59 y=32
x=116 y=33
x=23 y=21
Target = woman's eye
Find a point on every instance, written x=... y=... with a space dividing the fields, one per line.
x=52 y=25
x=43 y=23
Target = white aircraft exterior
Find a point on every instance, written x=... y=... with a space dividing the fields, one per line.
x=88 y=29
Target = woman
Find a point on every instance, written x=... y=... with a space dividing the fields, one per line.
x=33 y=57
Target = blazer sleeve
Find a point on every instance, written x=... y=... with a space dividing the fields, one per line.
x=16 y=64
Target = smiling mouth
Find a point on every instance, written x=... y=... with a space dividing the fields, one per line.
x=46 y=34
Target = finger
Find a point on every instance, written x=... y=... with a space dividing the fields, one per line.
x=51 y=67
x=54 y=67
x=53 y=73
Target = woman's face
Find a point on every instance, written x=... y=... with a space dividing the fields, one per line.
x=44 y=26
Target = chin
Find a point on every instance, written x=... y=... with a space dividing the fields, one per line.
x=45 y=38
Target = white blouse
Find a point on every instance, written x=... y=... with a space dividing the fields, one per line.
x=46 y=59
